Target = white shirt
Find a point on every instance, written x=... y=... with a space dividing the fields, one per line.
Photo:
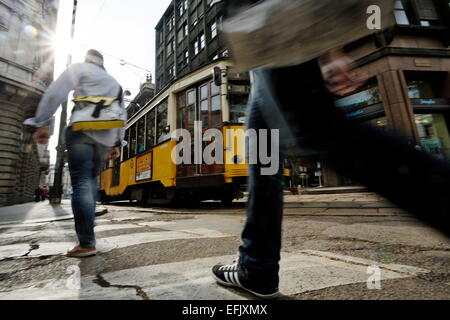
x=86 y=79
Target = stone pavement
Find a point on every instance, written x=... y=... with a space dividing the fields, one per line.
x=161 y=253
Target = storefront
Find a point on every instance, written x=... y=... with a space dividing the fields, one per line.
x=431 y=112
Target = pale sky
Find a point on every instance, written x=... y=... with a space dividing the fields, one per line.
x=121 y=28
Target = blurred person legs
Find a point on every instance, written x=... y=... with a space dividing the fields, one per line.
x=296 y=101
x=85 y=158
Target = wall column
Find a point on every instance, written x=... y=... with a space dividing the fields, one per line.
x=397 y=105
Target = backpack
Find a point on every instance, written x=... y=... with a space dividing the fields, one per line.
x=98 y=113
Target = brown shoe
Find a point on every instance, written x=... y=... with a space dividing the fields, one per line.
x=79 y=252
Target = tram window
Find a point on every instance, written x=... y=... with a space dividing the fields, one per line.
x=126 y=149
x=150 y=135
x=238 y=107
x=133 y=141
x=181 y=108
x=191 y=116
x=216 y=114
x=216 y=105
x=204 y=106
x=214 y=89
x=161 y=122
x=141 y=135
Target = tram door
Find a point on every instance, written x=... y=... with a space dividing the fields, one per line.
x=115 y=181
x=202 y=103
x=186 y=117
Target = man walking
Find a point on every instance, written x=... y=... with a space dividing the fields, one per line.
x=86 y=149
x=417 y=182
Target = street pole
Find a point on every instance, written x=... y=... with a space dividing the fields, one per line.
x=60 y=161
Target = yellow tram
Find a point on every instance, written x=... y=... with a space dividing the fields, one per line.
x=146 y=172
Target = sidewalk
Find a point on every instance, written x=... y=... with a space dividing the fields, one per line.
x=35 y=212
x=333 y=190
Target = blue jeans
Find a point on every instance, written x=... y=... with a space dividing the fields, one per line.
x=85 y=159
x=296 y=101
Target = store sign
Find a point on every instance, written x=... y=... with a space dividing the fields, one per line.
x=144 y=167
x=420 y=62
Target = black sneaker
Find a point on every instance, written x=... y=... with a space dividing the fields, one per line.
x=232 y=276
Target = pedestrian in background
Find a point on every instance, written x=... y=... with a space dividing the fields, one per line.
x=87 y=149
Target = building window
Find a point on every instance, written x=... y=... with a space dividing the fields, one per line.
x=194 y=18
x=172 y=71
x=170 y=48
x=182 y=32
x=196 y=47
x=400 y=13
x=5 y=16
x=202 y=41
x=181 y=10
x=184 y=59
x=170 y=23
x=213 y=30
x=427 y=13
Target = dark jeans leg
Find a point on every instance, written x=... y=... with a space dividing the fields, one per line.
x=260 y=251
x=84 y=161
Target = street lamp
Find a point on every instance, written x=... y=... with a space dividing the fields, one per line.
x=59 y=166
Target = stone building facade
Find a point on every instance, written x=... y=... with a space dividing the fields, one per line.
x=408 y=91
x=26 y=69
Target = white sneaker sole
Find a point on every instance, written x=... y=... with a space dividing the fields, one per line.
x=262 y=296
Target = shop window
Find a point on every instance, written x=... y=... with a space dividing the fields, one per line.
x=434 y=134
x=420 y=90
x=366 y=97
